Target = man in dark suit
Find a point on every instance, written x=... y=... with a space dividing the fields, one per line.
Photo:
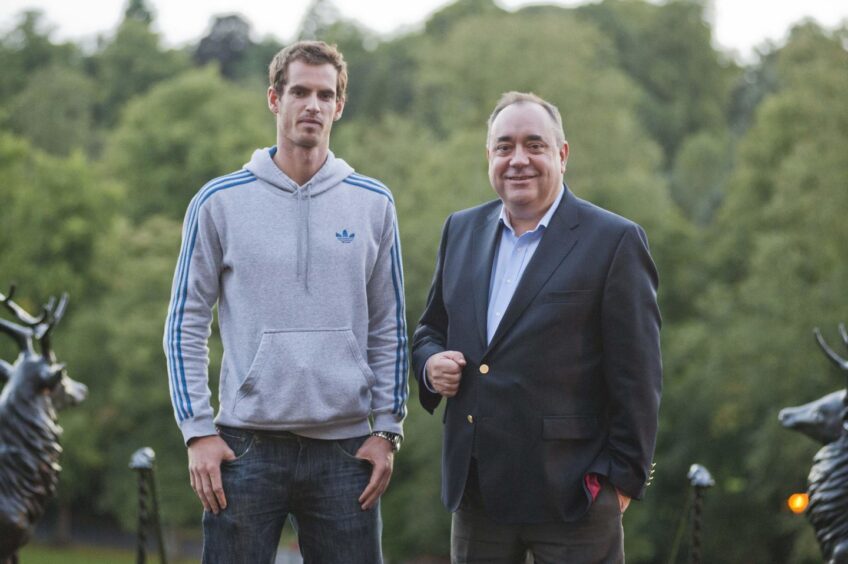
x=542 y=331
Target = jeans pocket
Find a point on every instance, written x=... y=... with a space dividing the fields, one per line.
x=239 y=441
x=347 y=448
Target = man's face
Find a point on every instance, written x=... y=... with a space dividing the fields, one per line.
x=526 y=163
x=308 y=105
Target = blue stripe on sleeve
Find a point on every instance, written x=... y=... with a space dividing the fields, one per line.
x=368 y=180
x=402 y=348
x=182 y=413
x=175 y=317
x=401 y=357
x=369 y=186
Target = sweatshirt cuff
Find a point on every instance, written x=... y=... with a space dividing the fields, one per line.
x=201 y=426
x=388 y=422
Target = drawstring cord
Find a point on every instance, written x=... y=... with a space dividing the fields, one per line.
x=301 y=260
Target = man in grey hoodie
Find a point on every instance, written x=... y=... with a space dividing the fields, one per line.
x=302 y=257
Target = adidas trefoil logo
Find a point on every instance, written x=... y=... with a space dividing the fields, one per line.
x=345 y=237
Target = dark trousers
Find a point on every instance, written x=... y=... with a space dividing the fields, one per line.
x=278 y=474
x=595 y=539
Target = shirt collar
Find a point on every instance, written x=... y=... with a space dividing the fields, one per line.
x=503 y=217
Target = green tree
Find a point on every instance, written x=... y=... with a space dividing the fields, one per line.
x=320 y=16
x=442 y=21
x=129 y=64
x=55 y=110
x=700 y=174
x=182 y=134
x=139 y=11
x=53 y=211
x=667 y=50
x=226 y=43
x=778 y=266
x=26 y=48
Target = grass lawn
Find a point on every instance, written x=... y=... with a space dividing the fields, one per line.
x=77 y=554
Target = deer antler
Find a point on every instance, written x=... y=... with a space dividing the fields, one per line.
x=835 y=358
x=21 y=335
x=53 y=313
x=21 y=313
x=34 y=327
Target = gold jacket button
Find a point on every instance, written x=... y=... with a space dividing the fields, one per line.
x=484 y=369
x=470 y=419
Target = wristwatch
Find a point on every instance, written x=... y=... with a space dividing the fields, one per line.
x=393 y=438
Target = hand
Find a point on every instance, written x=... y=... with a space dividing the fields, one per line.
x=205 y=455
x=377 y=451
x=444 y=371
x=623 y=500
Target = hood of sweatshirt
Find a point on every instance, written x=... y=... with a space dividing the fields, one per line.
x=331 y=173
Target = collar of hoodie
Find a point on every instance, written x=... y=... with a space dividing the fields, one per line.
x=331 y=173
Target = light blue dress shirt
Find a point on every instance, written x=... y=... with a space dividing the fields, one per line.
x=513 y=255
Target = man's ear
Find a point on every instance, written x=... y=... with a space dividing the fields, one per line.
x=273 y=100
x=340 y=104
x=563 y=154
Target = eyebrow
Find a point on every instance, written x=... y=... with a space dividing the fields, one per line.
x=532 y=137
x=294 y=85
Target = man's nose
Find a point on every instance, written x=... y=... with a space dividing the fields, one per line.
x=312 y=103
x=519 y=157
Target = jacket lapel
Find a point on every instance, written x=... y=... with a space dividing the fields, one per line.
x=557 y=242
x=483 y=244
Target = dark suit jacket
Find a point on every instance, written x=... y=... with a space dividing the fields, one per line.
x=573 y=374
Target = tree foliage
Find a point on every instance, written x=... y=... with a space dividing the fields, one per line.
x=55 y=110
x=226 y=43
x=129 y=64
x=185 y=132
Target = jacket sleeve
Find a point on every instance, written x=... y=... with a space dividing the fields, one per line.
x=431 y=333
x=387 y=339
x=193 y=294
x=632 y=363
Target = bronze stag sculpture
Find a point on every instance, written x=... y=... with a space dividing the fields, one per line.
x=34 y=386
x=826 y=420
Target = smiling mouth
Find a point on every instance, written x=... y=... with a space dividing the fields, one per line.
x=521 y=178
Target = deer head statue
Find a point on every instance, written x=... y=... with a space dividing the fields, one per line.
x=826 y=420
x=34 y=386
x=37 y=369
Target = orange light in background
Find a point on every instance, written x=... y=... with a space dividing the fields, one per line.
x=798 y=502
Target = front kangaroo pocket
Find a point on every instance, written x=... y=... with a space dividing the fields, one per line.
x=305 y=377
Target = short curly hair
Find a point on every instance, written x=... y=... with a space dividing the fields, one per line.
x=311 y=53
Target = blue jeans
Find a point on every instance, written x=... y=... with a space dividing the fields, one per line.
x=276 y=474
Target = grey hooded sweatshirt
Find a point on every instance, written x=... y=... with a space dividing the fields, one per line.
x=309 y=286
